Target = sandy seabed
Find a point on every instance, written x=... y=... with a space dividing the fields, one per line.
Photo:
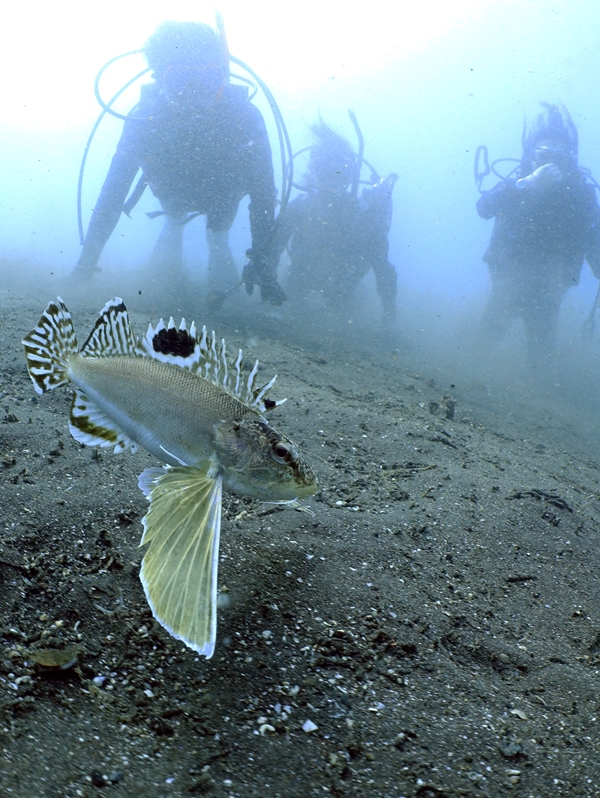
x=435 y=619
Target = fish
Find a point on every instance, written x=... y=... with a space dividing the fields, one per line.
x=175 y=393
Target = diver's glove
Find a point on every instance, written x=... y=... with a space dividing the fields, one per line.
x=381 y=190
x=259 y=273
x=272 y=292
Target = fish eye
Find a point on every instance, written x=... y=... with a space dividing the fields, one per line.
x=281 y=453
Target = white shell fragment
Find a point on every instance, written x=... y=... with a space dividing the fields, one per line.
x=519 y=713
x=308 y=726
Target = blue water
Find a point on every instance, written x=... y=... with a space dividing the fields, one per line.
x=423 y=114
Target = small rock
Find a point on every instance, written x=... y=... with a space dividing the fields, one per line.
x=510 y=748
x=98 y=780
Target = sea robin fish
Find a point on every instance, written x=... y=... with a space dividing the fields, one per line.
x=174 y=393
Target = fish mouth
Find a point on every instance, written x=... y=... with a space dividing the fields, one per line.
x=270 y=492
x=294 y=492
x=307 y=488
x=305 y=481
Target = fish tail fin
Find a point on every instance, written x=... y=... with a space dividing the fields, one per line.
x=48 y=346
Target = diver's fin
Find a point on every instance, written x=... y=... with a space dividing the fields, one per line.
x=179 y=570
x=112 y=334
x=48 y=346
x=88 y=424
x=203 y=354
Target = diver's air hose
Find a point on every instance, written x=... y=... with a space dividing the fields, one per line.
x=359 y=154
x=285 y=147
x=106 y=109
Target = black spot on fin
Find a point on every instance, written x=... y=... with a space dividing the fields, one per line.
x=178 y=343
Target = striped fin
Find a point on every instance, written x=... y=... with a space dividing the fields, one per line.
x=48 y=346
x=179 y=570
x=89 y=425
x=112 y=335
x=206 y=356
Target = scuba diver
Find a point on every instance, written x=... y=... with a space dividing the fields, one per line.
x=547 y=221
x=335 y=237
x=202 y=146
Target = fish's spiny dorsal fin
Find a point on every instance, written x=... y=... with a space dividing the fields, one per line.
x=206 y=356
x=112 y=335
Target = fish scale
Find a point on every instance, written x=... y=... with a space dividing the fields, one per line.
x=178 y=410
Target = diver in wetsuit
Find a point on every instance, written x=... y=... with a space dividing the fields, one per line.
x=334 y=237
x=547 y=221
x=202 y=146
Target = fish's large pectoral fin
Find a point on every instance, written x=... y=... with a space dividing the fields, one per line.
x=89 y=425
x=179 y=570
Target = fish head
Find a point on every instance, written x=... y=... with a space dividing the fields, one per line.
x=256 y=460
